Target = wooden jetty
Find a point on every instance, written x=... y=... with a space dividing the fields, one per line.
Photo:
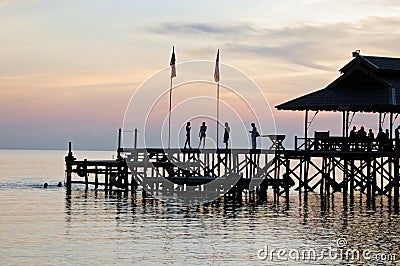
x=322 y=163
x=184 y=167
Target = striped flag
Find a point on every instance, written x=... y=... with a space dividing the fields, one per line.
x=172 y=63
x=216 y=71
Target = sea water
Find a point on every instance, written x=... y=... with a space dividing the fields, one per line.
x=49 y=227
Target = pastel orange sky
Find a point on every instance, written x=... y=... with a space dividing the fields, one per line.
x=69 y=68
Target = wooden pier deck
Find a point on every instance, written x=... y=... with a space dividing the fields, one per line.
x=319 y=168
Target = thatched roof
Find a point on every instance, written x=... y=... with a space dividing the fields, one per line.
x=367 y=84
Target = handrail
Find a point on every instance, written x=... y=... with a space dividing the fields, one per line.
x=346 y=144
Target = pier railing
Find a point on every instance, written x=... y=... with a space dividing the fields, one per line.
x=333 y=143
x=204 y=162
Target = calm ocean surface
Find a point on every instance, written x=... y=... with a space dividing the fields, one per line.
x=46 y=227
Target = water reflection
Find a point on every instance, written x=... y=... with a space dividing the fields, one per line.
x=226 y=231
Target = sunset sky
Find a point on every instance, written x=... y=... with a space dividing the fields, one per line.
x=69 y=68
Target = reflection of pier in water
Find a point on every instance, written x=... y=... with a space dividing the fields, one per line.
x=324 y=164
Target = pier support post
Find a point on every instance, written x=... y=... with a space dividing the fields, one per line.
x=69 y=159
x=322 y=191
x=369 y=179
x=305 y=175
x=96 y=178
x=286 y=183
x=119 y=144
x=126 y=180
x=396 y=186
x=352 y=185
x=86 y=174
x=373 y=183
x=134 y=185
x=345 y=183
x=106 y=179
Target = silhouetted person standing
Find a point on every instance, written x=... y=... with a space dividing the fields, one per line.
x=353 y=137
x=362 y=136
x=202 y=134
x=397 y=137
x=361 y=133
x=188 y=128
x=388 y=143
x=381 y=138
x=371 y=135
x=254 y=135
x=353 y=133
x=226 y=134
x=371 y=138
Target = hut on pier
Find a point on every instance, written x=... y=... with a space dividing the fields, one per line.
x=367 y=84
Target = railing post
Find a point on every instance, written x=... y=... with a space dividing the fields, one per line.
x=135 y=139
x=119 y=144
x=68 y=165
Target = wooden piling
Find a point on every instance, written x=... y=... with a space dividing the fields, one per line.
x=69 y=159
x=287 y=185
x=86 y=174
x=345 y=183
x=369 y=183
x=106 y=178
x=96 y=178
x=119 y=144
x=396 y=186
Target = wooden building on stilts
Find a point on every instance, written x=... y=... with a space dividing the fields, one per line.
x=367 y=84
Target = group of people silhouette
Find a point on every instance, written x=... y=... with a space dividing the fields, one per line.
x=203 y=134
x=382 y=138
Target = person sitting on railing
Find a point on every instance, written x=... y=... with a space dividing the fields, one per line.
x=381 y=138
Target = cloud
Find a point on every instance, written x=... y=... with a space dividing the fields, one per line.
x=4 y=76
x=297 y=52
x=313 y=45
x=199 y=28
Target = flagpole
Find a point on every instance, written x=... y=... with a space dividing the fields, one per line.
x=173 y=74
x=169 y=115
x=217 y=114
x=216 y=78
